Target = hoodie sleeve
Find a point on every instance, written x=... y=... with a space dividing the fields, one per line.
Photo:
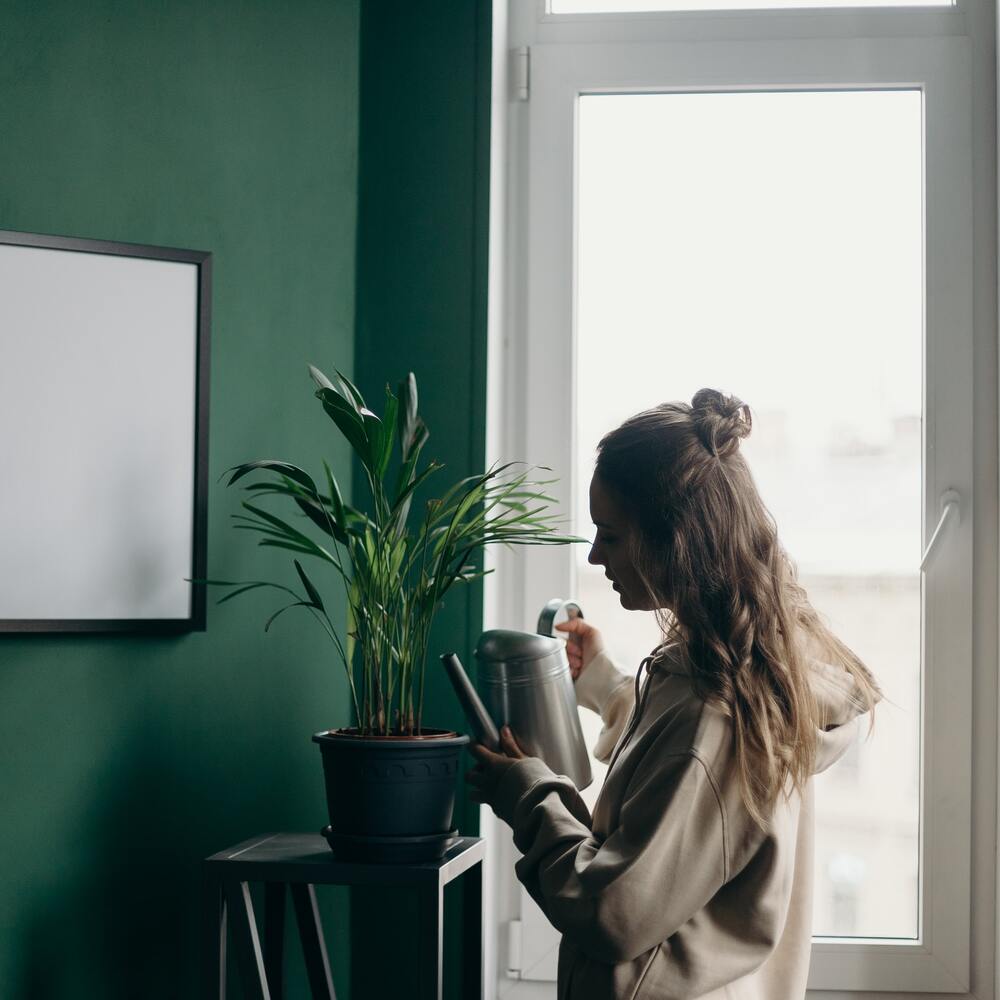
x=618 y=898
x=610 y=692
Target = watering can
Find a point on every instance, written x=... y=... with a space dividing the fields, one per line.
x=524 y=682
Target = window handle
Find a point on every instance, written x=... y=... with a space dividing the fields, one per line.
x=950 y=505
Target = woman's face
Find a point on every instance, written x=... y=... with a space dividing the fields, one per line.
x=611 y=547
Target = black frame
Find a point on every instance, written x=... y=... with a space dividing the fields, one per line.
x=195 y=622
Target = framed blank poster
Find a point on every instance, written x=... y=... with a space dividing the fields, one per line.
x=103 y=435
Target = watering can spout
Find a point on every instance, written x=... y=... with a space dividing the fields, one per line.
x=483 y=729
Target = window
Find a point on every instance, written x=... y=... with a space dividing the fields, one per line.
x=659 y=6
x=789 y=219
x=770 y=244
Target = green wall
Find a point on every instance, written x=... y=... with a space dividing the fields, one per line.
x=234 y=127
x=422 y=255
x=421 y=306
x=221 y=125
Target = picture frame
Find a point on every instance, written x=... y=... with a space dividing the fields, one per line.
x=104 y=394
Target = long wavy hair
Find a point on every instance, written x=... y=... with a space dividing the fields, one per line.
x=707 y=551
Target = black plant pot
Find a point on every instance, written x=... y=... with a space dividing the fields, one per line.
x=390 y=798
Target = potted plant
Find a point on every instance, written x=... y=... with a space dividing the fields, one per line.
x=390 y=781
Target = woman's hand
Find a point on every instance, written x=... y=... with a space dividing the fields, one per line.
x=485 y=777
x=584 y=643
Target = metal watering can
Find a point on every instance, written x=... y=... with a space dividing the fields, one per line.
x=524 y=682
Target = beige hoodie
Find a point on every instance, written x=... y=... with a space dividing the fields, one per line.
x=670 y=891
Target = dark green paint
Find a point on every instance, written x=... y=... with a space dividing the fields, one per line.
x=421 y=262
x=231 y=127
x=421 y=306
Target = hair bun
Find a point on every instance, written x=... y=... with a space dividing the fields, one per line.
x=720 y=420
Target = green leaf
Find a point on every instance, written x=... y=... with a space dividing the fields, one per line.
x=406 y=416
x=266 y=487
x=310 y=589
x=352 y=621
x=388 y=431
x=480 y=480
x=242 y=590
x=292 y=471
x=319 y=378
x=396 y=559
x=322 y=518
x=336 y=499
x=349 y=422
x=349 y=389
x=408 y=465
x=306 y=550
x=419 y=437
x=277 y=522
x=244 y=586
x=262 y=529
x=277 y=543
x=401 y=507
x=375 y=433
x=281 y=611
x=466 y=504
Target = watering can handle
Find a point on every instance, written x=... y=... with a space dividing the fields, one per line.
x=547 y=619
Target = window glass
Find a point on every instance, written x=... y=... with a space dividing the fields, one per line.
x=770 y=245
x=655 y=6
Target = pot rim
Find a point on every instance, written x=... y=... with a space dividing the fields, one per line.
x=351 y=735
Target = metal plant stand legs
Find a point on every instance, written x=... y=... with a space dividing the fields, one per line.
x=302 y=861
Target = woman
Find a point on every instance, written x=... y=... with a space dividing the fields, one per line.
x=692 y=879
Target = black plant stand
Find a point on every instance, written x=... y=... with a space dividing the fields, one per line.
x=301 y=861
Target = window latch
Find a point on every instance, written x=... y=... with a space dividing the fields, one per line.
x=950 y=507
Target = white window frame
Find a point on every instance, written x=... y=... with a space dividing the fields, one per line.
x=531 y=409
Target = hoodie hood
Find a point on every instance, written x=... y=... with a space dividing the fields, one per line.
x=839 y=700
x=841 y=707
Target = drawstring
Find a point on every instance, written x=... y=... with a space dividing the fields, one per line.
x=640 y=703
